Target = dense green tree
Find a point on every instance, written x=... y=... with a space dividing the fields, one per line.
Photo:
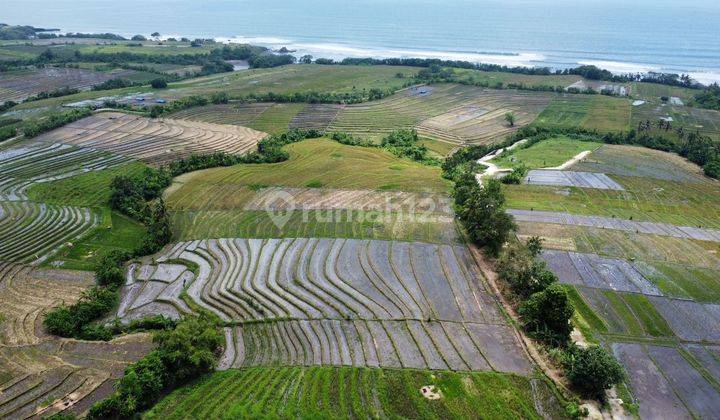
x=484 y=216
x=592 y=370
x=547 y=314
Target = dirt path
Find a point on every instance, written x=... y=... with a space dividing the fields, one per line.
x=492 y=169
x=493 y=280
x=580 y=156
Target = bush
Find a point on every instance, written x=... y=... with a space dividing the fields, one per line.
x=114 y=84
x=158 y=83
x=109 y=269
x=593 y=370
x=69 y=321
x=54 y=121
x=712 y=168
x=525 y=274
x=516 y=176
x=547 y=315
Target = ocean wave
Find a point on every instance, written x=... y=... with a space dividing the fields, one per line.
x=706 y=78
x=340 y=51
x=619 y=67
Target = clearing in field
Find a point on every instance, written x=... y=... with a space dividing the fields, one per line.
x=41 y=375
x=547 y=153
x=483 y=120
x=154 y=141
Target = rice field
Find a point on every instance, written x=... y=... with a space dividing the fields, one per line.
x=19 y=85
x=593 y=112
x=349 y=392
x=644 y=199
x=641 y=162
x=32 y=233
x=666 y=384
x=705 y=121
x=450 y=113
x=41 y=375
x=154 y=141
x=28 y=164
x=335 y=302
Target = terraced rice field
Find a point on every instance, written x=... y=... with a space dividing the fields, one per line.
x=483 y=120
x=336 y=302
x=644 y=199
x=646 y=283
x=451 y=113
x=667 y=384
x=595 y=271
x=325 y=189
x=346 y=392
x=31 y=233
x=18 y=86
x=664 y=229
x=641 y=162
x=41 y=375
x=154 y=141
x=572 y=179
x=593 y=112
x=37 y=162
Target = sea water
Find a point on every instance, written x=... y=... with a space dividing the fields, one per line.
x=619 y=35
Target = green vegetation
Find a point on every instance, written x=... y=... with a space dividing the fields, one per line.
x=482 y=212
x=590 y=112
x=684 y=281
x=182 y=354
x=90 y=189
x=546 y=314
x=544 y=153
x=592 y=370
x=190 y=225
x=115 y=232
x=709 y=98
x=335 y=165
x=338 y=392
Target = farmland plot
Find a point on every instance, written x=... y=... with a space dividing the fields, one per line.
x=624 y=314
x=656 y=249
x=339 y=302
x=155 y=141
x=31 y=232
x=41 y=162
x=483 y=120
x=572 y=179
x=664 y=229
x=595 y=271
x=20 y=86
x=657 y=396
x=348 y=392
x=690 y=320
x=237 y=114
x=40 y=374
x=641 y=162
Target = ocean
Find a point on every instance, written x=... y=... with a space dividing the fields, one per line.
x=619 y=35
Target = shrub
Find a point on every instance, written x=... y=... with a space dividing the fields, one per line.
x=547 y=314
x=109 y=268
x=526 y=274
x=184 y=353
x=69 y=321
x=592 y=370
x=158 y=83
x=516 y=176
x=712 y=168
